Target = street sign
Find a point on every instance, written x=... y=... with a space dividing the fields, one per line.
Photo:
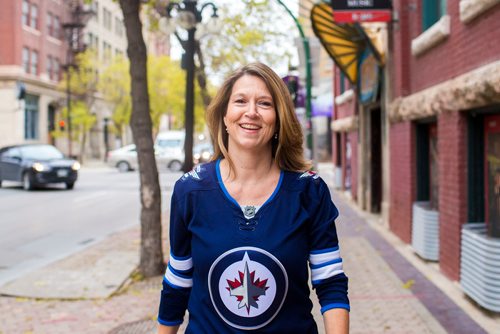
x=349 y=11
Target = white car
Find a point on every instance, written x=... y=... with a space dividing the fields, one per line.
x=125 y=159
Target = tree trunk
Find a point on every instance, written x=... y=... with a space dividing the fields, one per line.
x=82 y=147
x=202 y=77
x=151 y=255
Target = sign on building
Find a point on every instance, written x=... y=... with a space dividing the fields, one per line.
x=349 y=11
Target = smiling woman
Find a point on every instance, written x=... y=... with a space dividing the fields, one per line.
x=249 y=223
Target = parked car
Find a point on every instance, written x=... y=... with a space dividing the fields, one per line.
x=37 y=164
x=202 y=152
x=171 y=144
x=125 y=158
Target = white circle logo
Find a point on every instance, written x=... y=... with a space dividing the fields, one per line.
x=247 y=286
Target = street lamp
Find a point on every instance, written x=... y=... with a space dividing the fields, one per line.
x=187 y=17
x=73 y=30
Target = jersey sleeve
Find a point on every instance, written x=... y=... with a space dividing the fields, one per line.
x=327 y=274
x=178 y=278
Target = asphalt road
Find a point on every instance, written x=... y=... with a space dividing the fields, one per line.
x=42 y=226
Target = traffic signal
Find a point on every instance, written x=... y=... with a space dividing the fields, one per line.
x=62 y=125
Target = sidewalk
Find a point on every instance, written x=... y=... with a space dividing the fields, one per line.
x=388 y=294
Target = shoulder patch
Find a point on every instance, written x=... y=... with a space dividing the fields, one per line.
x=194 y=173
x=308 y=174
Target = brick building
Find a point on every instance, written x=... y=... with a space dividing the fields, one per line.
x=31 y=58
x=426 y=154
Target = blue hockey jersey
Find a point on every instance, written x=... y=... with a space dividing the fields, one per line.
x=238 y=275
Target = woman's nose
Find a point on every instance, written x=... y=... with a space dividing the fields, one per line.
x=252 y=110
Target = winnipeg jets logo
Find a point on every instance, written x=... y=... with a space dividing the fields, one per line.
x=247 y=286
x=247 y=290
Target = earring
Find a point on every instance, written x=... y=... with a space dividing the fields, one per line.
x=276 y=135
x=227 y=131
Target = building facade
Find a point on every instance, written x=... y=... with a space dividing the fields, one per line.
x=31 y=59
x=427 y=150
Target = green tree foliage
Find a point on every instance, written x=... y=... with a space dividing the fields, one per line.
x=253 y=30
x=83 y=88
x=166 y=86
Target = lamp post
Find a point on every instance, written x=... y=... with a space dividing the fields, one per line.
x=188 y=16
x=73 y=29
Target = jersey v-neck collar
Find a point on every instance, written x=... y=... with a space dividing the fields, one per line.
x=232 y=200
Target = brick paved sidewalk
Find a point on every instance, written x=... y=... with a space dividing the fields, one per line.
x=388 y=295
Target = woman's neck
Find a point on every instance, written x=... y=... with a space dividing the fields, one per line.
x=248 y=168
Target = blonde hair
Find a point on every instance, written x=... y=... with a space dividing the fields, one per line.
x=287 y=150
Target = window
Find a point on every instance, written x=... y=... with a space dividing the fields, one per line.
x=56 y=27
x=31 y=117
x=34 y=17
x=50 y=25
x=56 y=69
x=26 y=12
x=118 y=27
x=95 y=9
x=106 y=18
x=26 y=60
x=342 y=82
x=432 y=10
x=49 y=67
x=34 y=62
x=427 y=164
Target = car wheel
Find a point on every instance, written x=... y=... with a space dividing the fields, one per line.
x=123 y=166
x=27 y=182
x=175 y=166
x=70 y=185
x=0 y=183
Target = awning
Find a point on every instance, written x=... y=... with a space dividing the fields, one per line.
x=344 y=42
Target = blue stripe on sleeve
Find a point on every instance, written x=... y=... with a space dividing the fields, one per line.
x=169 y=323
x=326 y=250
x=335 y=305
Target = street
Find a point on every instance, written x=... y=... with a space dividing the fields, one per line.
x=42 y=226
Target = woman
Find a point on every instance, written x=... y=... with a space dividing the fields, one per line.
x=245 y=226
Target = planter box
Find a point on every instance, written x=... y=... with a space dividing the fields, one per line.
x=480 y=266
x=338 y=178
x=425 y=231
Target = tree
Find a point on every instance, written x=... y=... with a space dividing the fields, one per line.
x=151 y=255
x=166 y=92
x=249 y=32
x=83 y=87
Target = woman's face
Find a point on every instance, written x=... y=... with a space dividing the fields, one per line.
x=251 y=116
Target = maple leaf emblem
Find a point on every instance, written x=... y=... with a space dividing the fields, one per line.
x=246 y=289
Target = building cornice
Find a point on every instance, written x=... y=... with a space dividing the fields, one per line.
x=474 y=89
x=470 y=9
x=345 y=124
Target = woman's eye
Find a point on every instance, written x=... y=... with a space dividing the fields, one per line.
x=239 y=101
x=266 y=104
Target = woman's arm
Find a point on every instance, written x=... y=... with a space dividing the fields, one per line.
x=336 y=321
x=167 y=329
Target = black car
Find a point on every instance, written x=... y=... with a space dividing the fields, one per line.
x=37 y=164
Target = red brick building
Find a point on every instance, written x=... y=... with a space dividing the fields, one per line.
x=426 y=153
x=446 y=74
x=32 y=55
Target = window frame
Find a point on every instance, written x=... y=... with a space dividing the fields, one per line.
x=25 y=59
x=34 y=16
